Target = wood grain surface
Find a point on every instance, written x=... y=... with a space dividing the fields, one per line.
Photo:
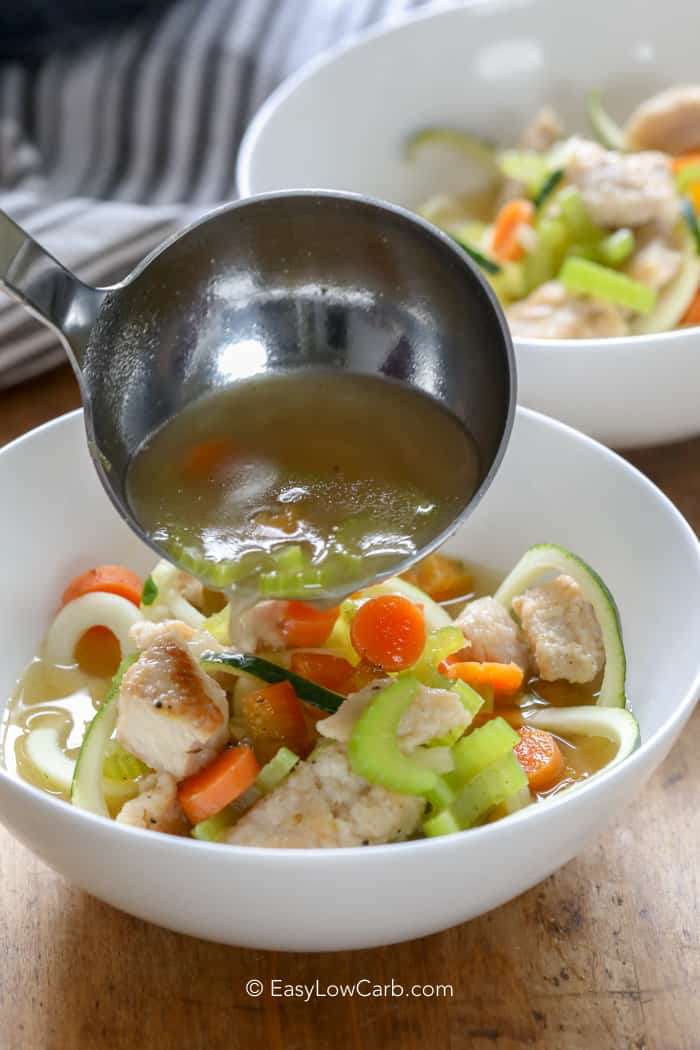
x=604 y=955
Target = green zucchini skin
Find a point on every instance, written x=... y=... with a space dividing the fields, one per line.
x=306 y=690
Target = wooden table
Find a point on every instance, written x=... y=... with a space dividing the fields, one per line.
x=604 y=955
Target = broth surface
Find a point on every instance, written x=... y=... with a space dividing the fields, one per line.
x=308 y=481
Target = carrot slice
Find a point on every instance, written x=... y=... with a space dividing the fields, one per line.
x=441 y=578
x=323 y=668
x=503 y=678
x=207 y=458
x=540 y=756
x=389 y=632
x=275 y=718
x=113 y=579
x=223 y=780
x=505 y=244
x=692 y=314
x=301 y=625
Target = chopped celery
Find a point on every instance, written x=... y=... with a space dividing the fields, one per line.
x=442 y=823
x=524 y=166
x=483 y=746
x=290 y=558
x=291 y=584
x=548 y=187
x=511 y=283
x=213 y=828
x=584 y=277
x=276 y=770
x=219 y=625
x=471 y=701
x=687 y=176
x=149 y=592
x=489 y=788
x=441 y=794
x=120 y=764
x=543 y=263
x=607 y=131
x=374 y=747
x=617 y=247
x=438 y=646
x=575 y=214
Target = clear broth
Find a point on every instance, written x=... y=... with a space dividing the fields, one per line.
x=354 y=473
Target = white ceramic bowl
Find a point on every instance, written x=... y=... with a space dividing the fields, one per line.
x=555 y=485
x=340 y=123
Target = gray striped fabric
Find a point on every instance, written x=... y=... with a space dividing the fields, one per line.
x=106 y=151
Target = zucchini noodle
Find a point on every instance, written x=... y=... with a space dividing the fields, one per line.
x=91 y=610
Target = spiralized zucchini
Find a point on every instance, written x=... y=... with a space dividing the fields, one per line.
x=91 y=610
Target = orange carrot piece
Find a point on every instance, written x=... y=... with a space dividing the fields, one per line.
x=389 y=632
x=223 y=780
x=323 y=668
x=503 y=678
x=511 y=217
x=207 y=458
x=685 y=160
x=440 y=577
x=302 y=625
x=692 y=314
x=540 y=756
x=275 y=718
x=112 y=579
x=363 y=674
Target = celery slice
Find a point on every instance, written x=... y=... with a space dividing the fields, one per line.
x=525 y=166
x=576 y=217
x=483 y=746
x=438 y=646
x=120 y=764
x=213 y=828
x=584 y=277
x=489 y=788
x=442 y=823
x=276 y=770
x=617 y=247
x=374 y=747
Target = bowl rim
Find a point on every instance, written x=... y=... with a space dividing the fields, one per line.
x=625 y=344
x=590 y=789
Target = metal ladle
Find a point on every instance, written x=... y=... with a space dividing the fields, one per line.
x=294 y=280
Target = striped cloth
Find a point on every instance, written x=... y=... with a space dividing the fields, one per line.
x=107 y=150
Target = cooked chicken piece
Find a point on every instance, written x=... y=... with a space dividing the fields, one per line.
x=432 y=714
x=258 y=626
x=156 y=808
x=552 y=312
x=623 y=189
x=190 y=588
x=669 y=121
x=171 y=715
x=562 y=630
x=322 y=804
x=655 y=264
x=492 y=634
x=543 y=131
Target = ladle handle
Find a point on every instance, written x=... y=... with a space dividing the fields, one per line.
x=47 y=289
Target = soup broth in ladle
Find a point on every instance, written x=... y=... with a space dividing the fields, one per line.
x=304 y=484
